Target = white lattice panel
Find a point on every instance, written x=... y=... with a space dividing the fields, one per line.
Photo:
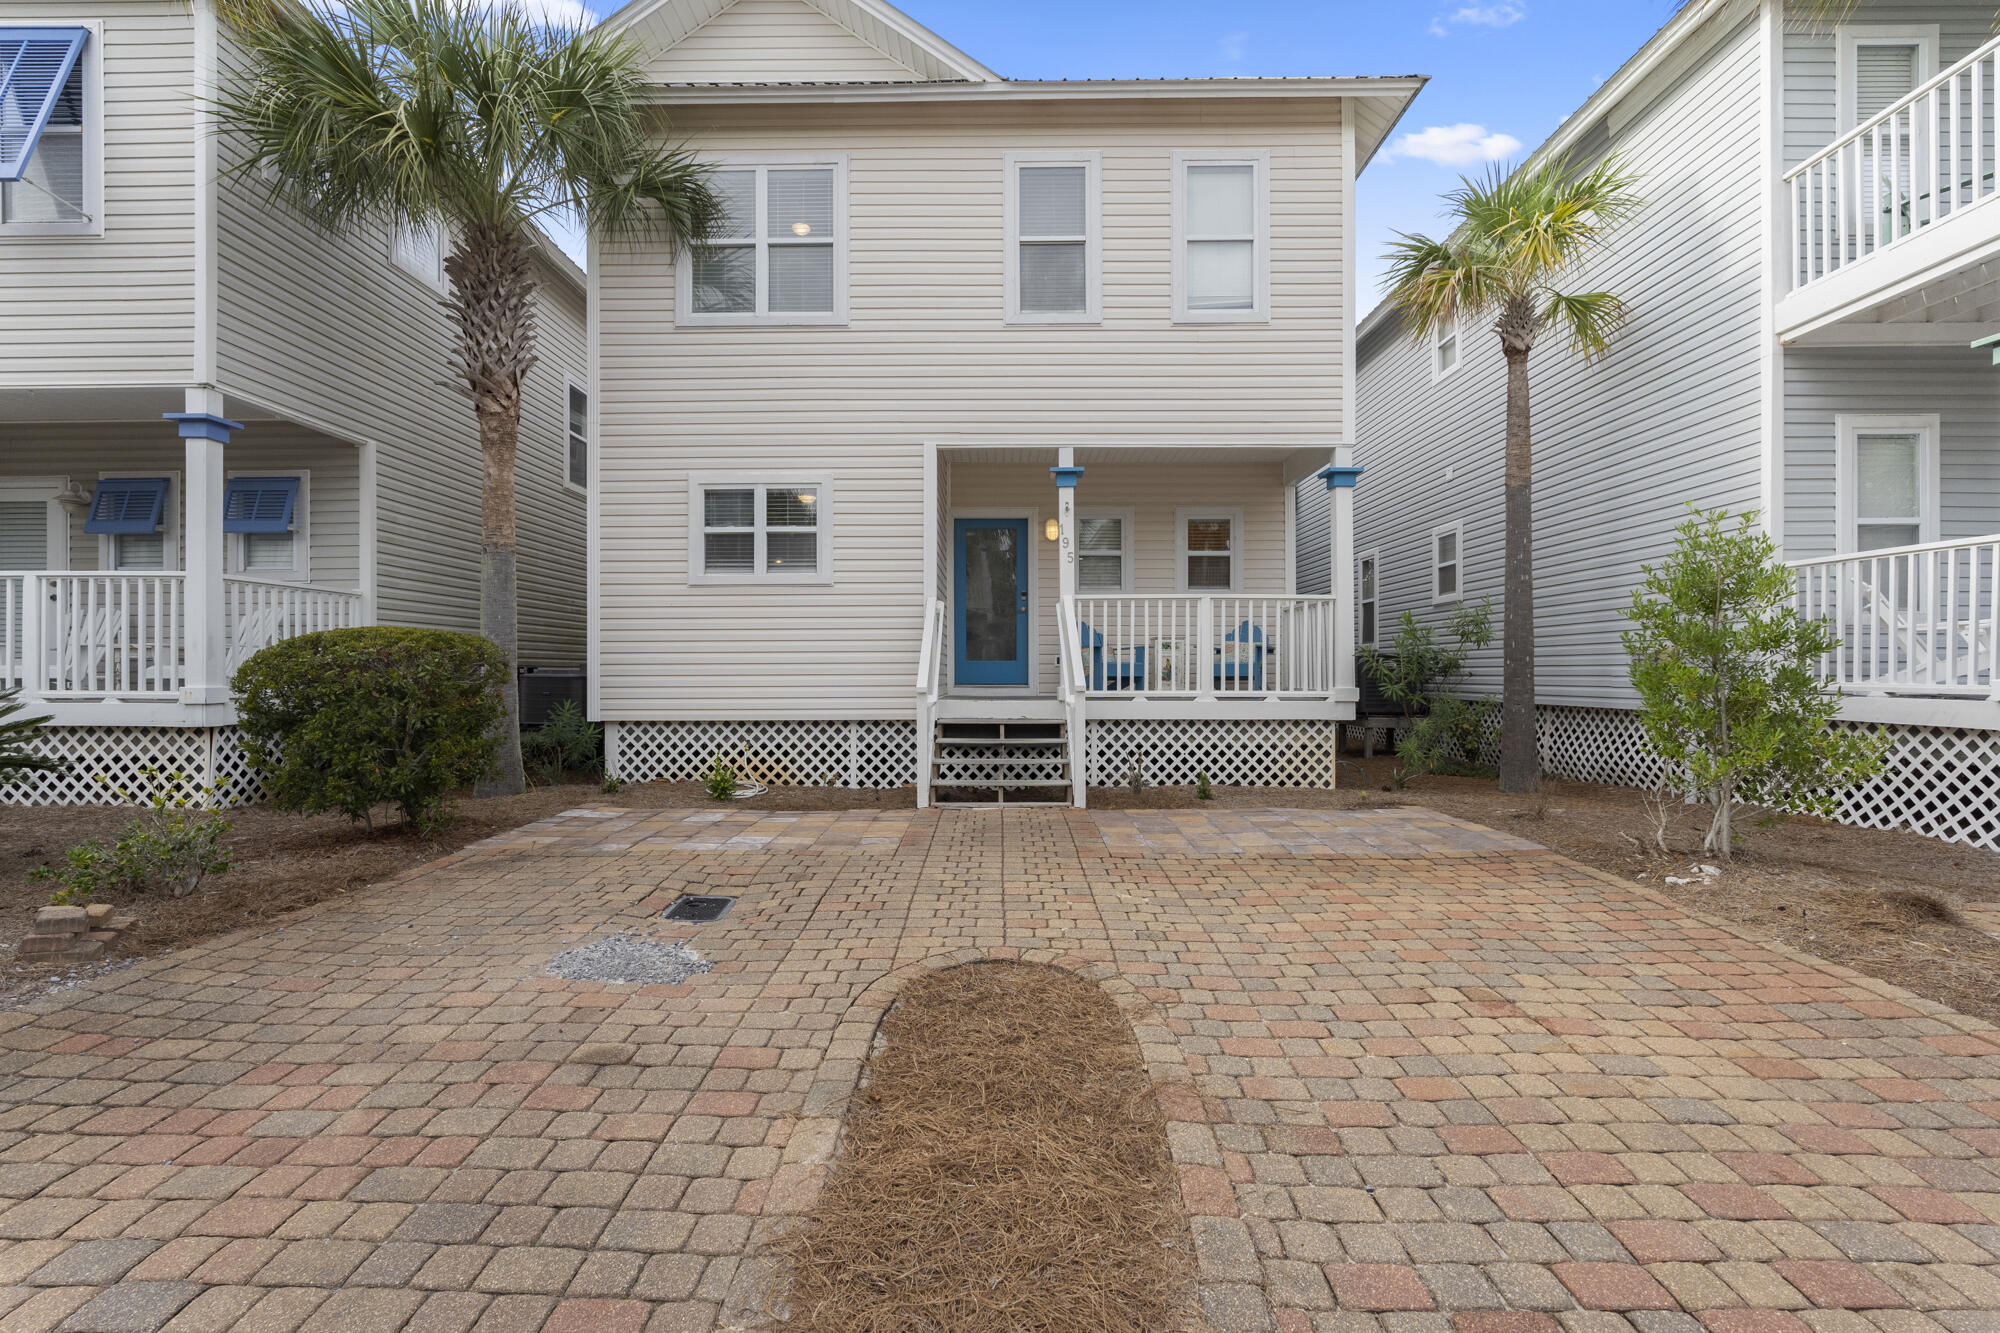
x=1596 y=745
x=869 y=753
x=104 y=760
x=1233 y=752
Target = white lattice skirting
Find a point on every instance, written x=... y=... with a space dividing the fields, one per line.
x=868 y=753
x=1232 y=752
x=105 y=761
x=1940 y=781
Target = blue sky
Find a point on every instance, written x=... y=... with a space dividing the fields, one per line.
x=1503 y=75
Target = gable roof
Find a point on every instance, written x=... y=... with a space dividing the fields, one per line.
x=662 y=24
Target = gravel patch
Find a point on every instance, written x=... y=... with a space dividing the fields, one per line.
x=632 y=958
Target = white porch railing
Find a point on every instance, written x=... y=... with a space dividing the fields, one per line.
x=78 y=635
x=1916 y=162
x=930 y=685
x=1910 y=620
x=1192 y=646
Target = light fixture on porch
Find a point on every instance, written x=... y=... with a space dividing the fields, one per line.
x=74 y=499
x=1052 y=530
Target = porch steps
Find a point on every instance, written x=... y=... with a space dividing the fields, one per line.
x=995 y=763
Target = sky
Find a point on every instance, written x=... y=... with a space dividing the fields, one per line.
x=1503 y=75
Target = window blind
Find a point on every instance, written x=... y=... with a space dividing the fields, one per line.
x=1883 y=73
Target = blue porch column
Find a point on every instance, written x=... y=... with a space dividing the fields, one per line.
x=204 y=431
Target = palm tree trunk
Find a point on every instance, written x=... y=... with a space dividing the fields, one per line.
x=492 y=284
x=1520 y=760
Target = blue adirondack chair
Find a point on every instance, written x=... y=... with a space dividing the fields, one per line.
x=1239 y=661
x=1123 y=675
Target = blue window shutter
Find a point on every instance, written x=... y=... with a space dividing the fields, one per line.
x=127 y=505
x=259 y=504
x=35 y=63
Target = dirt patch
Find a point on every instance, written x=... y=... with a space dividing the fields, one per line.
x=1005 y=1167
x=285 y=862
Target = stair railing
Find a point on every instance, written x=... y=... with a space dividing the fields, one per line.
x=1075 y=689
x=930 y=685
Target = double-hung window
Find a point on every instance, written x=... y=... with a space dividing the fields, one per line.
x=1104 y=551
x=1886 y=479
x=1367 y=577
x=51 y=135
x=418 y=249
x=577 y=459
x=136 y=522
x=1209 y=551
x=757 y=531
x=264 y=519
x=1445 y=348
x=779 y=253
x=1222 y=219
x=1447 y=562
x=1052 y=238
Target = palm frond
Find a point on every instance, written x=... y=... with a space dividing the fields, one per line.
x=1437 y=283
x=1587 y=319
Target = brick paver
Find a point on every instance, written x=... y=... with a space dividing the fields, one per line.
x=1420 y=1077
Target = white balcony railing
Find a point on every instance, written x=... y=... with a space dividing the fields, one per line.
x=1191 y=646
x=73 y=635
x=1915 y=163
x=1912 y=620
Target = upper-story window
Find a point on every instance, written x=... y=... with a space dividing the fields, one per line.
x=1367 y=578
x=1886 y=480
x=1880 y=63
x=418 y=250
x=1052 y=238
x=51 y=175
x=1446 y=348
x=779 y=255
x=577 y=462
x=1447 y=562
x=1221 y=236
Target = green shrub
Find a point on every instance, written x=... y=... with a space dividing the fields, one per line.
x=16 y=733
x=1202 y=790
x=567 y=742
x=348 y=718
x=1447 y=734
x=172 y=847
x=721 y=781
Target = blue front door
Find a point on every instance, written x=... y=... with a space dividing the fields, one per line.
x=990 y=626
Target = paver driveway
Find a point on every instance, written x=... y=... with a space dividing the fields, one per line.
x=1418 y=1075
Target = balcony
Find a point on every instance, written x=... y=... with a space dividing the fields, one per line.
x=1898 y=202
x=69 y=637
x=1911 y=621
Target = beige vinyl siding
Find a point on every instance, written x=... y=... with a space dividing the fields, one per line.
x=926 y=357
x=326 y=328
x=84 y=451
x=1153 y=492
x=117 y=308
x=773 y=41
x=1670 y=416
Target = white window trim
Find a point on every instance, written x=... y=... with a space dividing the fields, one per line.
x=698 y=576
x=46 y=489
x=1260 y=310
x=91 y=61
x=685 y=315
x=1457 y=529
x=1846 y=491
x=1125 y=552
x=1181 y=552
x=1093 y=236
x=434 y=281
x=568 y=485
x=301 y=570
x=1924 y=36
x=170 y=526
x=1361 y=558
x=1439 y=371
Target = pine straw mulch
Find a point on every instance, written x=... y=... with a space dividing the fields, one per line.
x=1004 y=1166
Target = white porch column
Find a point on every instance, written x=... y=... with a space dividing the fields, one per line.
x=204 y=431
x=1067 y=474
x=1340 y=479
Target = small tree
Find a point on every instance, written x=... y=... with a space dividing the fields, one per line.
x=1415 y=674
x=16 y=759
x=1723 y=663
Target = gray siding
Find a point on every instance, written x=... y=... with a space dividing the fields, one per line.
x=115 y=308
x=1669 y=416
x=1313 y=547
x=1959 y=385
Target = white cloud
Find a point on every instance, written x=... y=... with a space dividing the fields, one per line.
x=1477 y=16
x=570 y=13
x=1462 y=145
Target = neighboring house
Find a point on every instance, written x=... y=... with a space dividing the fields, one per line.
x=965 y=455
x=321 y=472
x=1812 y=266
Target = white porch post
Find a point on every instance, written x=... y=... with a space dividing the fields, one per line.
x=204 y=431
x=1340 y=479
x=1067 y=474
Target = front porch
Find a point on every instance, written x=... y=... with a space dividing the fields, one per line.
x=1118 y=593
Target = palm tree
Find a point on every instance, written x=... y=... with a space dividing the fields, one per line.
x=480 y=119
x=1517 y=236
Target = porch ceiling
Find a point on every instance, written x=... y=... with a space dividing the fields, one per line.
x=24 y=406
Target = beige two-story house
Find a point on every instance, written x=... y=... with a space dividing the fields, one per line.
x=965 y=455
